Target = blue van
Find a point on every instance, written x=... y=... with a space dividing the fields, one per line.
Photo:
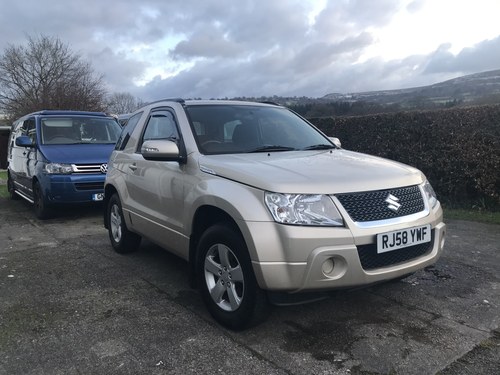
x=60 y=157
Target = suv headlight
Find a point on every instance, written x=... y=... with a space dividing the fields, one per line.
x=58 y=168
x=303 y=209
x=430 y=194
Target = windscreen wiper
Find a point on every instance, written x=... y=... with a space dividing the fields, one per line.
x=320 y=146
x=272 y=148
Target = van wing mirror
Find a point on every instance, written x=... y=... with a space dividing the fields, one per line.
x=160 y=150
x=24 y=141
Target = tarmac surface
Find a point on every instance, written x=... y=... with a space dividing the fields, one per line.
x=70 y=305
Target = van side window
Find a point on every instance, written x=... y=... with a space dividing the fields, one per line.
x=29 y=129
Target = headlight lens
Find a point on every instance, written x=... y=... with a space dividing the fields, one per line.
x=430 y=194
x=303 y=209
x=58 y=168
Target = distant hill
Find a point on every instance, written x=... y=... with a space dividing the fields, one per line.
x=479 y=88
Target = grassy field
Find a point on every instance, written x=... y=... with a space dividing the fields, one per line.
x=454 y=214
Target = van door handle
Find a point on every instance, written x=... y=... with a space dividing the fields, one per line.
x=133 y=166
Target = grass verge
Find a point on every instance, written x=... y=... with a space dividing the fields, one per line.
x=3 y=184
x=472 y=215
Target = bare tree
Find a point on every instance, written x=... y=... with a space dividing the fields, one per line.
x=123 y=102
x=45 y=74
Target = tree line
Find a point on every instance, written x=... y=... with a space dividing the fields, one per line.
x=46 y=74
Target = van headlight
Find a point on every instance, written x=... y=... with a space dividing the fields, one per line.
x=58 y=168
x=429 y=194
x=303 y=209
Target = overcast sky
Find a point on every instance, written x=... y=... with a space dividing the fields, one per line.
x=225 y=48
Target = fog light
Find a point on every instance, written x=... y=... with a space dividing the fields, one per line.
x=328 y=266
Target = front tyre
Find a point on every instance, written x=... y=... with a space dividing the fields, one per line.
x=227 y=281
x=122 y=240
x=42 y=208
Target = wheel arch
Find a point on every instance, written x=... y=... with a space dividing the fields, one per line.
x=205 y=217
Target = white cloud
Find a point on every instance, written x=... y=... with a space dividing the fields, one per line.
x=218 y=48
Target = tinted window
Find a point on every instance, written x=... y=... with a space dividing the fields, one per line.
x=79 y=129
x=242 y=128
x=127 y=130
x=161 y=125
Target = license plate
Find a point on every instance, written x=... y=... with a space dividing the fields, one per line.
x=98 y=197
x=399 y=239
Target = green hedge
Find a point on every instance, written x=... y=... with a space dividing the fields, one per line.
x=458 y=149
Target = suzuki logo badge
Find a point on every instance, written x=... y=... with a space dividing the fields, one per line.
x=104 y=168
x=393 y=203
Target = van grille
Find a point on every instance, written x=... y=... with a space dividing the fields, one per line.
x=371 y=260
x=90 y=168
x=372 y=205
x=89 y=185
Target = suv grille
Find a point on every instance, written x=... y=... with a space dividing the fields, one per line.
x=371 y=260
x=372 y=205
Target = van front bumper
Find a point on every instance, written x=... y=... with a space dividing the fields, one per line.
x=81 y=188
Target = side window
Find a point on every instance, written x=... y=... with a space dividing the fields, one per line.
x=161 y=125
x=127 y=130
x=14 y=133
x=29 y=129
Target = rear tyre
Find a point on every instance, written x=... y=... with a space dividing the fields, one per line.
x=11 y=189
x=122 y=240
x=42 y=208
x=226 y=279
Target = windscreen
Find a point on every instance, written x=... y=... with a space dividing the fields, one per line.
x=243 y=129
x=76 y=130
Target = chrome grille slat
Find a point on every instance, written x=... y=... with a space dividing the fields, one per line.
x=86 y=168
x=371 y=205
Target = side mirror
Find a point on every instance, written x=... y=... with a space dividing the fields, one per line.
x=160 y=150
x=24 y=141
x=335 y=141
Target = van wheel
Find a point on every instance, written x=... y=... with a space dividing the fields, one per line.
x=226 y=279
x=42 y=208
x=11 y=189
x=122 y=240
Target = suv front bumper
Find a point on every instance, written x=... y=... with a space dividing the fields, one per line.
x=300 y=259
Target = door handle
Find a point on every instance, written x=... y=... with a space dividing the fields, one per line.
x=133 y=167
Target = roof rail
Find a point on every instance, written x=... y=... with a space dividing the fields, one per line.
x=69 y=112
x=269 y=102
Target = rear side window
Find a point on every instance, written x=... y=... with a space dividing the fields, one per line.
x=127 y=130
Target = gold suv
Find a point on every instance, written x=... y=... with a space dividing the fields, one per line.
x=264 y=206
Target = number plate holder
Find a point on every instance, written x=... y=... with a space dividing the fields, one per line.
x=400 y=239
x=98 y=197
